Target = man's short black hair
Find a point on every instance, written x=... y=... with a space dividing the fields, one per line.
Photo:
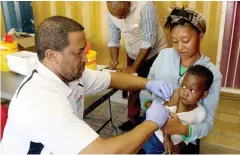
x=204 y=72
x=52 y=33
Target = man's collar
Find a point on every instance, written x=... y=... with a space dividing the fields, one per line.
x=53 y=80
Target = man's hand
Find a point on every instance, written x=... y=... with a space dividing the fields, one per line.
x=129 y=69
x=175 y=126
x=113 y=65
x=157 y=113
x=160 y=88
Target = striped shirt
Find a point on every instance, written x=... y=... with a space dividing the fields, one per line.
x=149 y=25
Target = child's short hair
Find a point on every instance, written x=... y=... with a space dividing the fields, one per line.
x=204 y=72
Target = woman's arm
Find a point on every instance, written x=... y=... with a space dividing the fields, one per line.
x=145 y=95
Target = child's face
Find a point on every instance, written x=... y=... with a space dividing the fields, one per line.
x=192 y=89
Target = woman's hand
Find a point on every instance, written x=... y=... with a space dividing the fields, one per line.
x=175 y=126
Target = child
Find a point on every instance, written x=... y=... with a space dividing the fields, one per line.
x=185 y=103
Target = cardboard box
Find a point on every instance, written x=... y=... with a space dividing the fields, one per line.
x=25 y=41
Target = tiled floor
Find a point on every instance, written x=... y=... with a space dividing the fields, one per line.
x=117 y=97
x=98 y=117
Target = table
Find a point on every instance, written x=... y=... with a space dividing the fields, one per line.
x=10 y=81
x=91 y=102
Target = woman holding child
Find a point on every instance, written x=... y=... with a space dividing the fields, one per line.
x=187 y=28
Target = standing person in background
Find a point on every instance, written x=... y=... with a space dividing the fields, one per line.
x=143 y=38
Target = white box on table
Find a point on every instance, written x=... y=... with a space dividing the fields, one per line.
x=22 y=62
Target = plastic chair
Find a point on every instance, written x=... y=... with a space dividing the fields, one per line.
x=4 y=116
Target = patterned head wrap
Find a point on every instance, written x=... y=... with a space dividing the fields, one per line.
x=192 y=16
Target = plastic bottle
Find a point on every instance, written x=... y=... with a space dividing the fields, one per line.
x=92 y=57
x=7 y=46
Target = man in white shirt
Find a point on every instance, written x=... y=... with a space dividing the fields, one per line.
x=45 y=114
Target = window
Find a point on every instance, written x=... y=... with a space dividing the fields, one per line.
x=18 y=15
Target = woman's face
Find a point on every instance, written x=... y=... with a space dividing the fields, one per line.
x=186 y=40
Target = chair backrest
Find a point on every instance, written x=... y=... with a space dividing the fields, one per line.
x=4 y=116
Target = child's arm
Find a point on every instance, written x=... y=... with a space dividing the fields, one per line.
x=165 y=135
x=168 y=144
x=174 y=99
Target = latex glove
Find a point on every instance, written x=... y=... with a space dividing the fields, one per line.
x=157 y=113
x=160 y=88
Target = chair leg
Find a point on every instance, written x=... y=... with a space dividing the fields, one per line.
x=124 y=94
x=110 y=116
